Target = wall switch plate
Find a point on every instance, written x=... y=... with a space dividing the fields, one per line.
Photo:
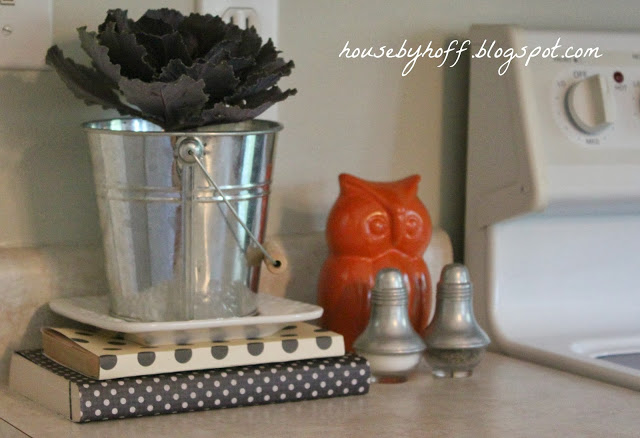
x=25 y=33
x=261 y=14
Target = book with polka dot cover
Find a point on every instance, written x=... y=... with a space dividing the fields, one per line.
x=82 y=399
x=103 y=354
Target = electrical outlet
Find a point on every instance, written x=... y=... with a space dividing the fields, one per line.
x=25 y=33
x=261 y=14
x=244 y=18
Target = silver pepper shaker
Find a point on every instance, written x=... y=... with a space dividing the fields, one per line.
x=389 y=342
x=455 y=341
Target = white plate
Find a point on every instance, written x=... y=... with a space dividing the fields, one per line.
x=274 y=313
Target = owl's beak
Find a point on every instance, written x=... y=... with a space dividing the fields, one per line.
x=396 y=235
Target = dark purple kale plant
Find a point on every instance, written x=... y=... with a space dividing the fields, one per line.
x=179 y=72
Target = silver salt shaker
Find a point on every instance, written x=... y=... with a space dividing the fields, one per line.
x=455 y=341
x=389 y=342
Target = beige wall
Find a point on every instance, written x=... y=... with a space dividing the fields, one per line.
x=358 y=116
x=363 y=117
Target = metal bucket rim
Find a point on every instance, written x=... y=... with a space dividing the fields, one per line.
x=246 y=127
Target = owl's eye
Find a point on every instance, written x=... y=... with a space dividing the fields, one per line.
x=378 y=225
x=413 y=225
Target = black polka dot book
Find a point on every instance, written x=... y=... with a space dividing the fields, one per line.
x=82 y=399
x=103 y=354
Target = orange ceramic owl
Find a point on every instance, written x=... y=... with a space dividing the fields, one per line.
x=374 y=225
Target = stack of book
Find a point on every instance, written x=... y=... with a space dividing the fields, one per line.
x=89 y=375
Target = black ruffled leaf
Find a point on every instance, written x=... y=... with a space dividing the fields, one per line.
x=174 y=102
x=261 y=80
x=240 y=65
x=170 y=16
x=99 y=55
x=202 y=32
x=164 y=48
x=178 y=72
x=119 y=18
x=225 y=113
x=87 y=84
x=125 y=51
x=223 y=49
x=219 y=79
x=173 y=70
x=272 y=95
x=152 y=26
x=222 y=113
x=267 y=54
x=249 y=45
x=220 y=52
x=279 y=66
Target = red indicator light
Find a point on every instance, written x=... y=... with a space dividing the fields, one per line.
x=618 y=77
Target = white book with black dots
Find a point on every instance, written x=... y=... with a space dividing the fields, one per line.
x=103 y=354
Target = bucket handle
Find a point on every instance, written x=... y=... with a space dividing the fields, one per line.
x=190 y=150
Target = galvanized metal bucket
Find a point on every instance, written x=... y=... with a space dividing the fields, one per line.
x=183 y=215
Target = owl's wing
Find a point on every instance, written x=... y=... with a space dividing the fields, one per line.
x=343 y=291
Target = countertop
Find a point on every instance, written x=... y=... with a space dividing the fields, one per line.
x=505 y=397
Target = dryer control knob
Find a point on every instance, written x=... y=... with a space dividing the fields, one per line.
x=590 y=104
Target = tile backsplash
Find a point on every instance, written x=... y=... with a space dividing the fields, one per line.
x=30 y=278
